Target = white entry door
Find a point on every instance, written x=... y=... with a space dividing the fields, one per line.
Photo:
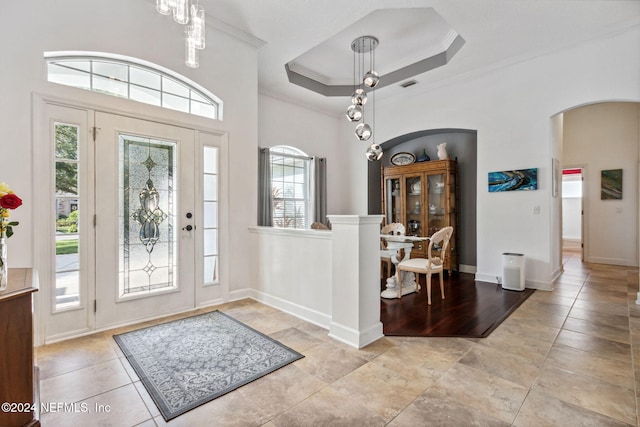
x=145 y=177
x=129 y=220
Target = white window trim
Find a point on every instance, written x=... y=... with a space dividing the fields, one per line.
x=309 y=184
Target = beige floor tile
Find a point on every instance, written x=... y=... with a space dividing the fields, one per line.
x=524 y=346
x=545 y=308
x=585 y=377
x=380 y=389
x=621 y=309
x=296 y=339
x=146 y=398
x=534 y=330
x=328 y=407
x=83 y=383
x=588 y=392
x=481 y=390
x=280 y=390
x=617 y=320
x=230 y=410
x=553 y=298
x=531 y=317
x=330 y=361
x=602 y=347
x=120 y=407
x=66 y=356
x=505 y=365
x=273 y=322
x=598 y=330
x=436 y=409
x=420 y=363
x=540 y=409
x=592 y=364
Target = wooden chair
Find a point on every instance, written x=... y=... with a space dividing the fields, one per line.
x=396 y=229
x=429 y=265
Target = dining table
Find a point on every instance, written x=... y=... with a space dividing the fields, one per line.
x=395 y=244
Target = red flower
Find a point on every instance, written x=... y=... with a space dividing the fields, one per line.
x=10 y=201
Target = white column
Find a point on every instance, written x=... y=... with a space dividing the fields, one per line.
x=355 y=287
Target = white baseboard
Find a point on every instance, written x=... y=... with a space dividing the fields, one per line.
x=354 y=338
x=317 y=318
x=528 y=283
x=613 y=261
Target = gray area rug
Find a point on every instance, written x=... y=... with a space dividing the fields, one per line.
x=188 y=362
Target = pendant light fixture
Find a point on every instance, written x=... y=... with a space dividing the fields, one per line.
x=356 y=111
x=192 y=15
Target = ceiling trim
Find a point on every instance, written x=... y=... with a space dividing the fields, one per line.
x=312 y=81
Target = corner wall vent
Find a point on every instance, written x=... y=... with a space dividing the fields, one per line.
x=408 y=83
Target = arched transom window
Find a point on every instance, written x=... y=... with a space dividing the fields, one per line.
x=133 y=79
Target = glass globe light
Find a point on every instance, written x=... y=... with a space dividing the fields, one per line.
x=371 y=79
x=363 y=131
x=354 y=113
x=359 y=97
x=374 y=152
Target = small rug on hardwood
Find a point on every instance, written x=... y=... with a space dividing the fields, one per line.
x=471 y=309
x=188 y=362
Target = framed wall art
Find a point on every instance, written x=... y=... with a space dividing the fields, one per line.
x=611 y=184
x=513 y=180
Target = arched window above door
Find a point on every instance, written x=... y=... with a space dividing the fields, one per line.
x=132 y=78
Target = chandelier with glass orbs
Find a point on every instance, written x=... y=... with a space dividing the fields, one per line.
x=192 y=15
x=356 y=111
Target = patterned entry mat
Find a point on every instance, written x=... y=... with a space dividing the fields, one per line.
x=188 y=362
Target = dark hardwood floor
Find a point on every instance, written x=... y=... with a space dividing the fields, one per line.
x=470 y=308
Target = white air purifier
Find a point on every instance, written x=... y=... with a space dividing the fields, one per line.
x=513 y=271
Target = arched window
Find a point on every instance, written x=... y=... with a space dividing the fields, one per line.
x=133 y=79
x=291 y=187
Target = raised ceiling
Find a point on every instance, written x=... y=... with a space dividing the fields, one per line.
x=497 y=33
x=411 y=41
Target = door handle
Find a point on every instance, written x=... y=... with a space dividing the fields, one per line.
x=188 y=227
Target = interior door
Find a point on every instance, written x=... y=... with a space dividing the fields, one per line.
x=144 y=224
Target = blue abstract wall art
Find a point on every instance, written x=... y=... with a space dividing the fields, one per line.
x=521 y=179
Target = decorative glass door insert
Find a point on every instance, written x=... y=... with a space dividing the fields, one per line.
x=210 y=214
x=148 y=218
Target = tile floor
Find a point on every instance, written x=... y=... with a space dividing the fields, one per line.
x=564 y=358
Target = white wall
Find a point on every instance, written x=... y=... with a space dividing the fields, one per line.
x=315 y=133
x=600 y=137
x=228 y=68
x=511 y=109
x=291 y=270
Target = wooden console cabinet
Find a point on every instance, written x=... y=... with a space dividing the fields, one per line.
x=424 y=198
x=16 y=356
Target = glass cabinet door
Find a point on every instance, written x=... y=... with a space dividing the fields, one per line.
x=437 y=201
x=413 y=208
x=393 y=200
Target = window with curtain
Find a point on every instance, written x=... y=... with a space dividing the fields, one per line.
x=291 y=187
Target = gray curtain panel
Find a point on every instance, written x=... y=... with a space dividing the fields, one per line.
x=320 y=181
x=265 y=204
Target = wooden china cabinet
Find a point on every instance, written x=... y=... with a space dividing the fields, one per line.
x=424 y=197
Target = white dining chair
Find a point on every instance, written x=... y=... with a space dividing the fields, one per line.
x=427 y=266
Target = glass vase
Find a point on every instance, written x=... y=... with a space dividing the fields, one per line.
x=3 y=264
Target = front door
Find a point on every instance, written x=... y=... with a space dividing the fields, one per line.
x=128 y=219
x=144 y=223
